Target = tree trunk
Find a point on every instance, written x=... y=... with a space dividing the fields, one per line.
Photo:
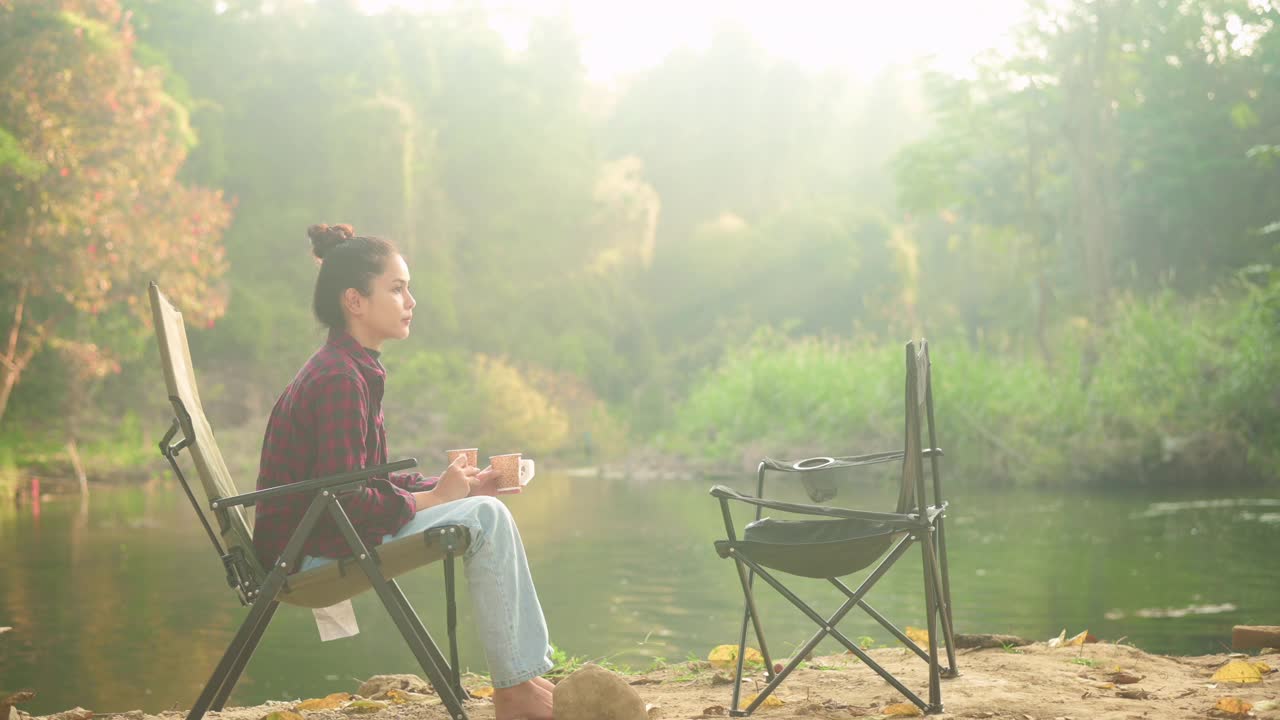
x=1035 y=227
x=12 y=363
x=74 y=453
x=1087 y=143
x=9 y=362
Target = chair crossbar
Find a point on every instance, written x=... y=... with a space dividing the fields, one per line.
x=321 y=483
x=826 y=626
x=900 y=520
x=798 y=466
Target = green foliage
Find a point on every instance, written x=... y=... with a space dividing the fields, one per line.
x=509 y=412
x=103 y=212
x=16 y=160
x=1176 y=389
x=1052 y=226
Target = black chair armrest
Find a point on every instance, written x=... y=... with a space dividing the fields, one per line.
x=898 y=519
x=314 y=484
x=815 y=464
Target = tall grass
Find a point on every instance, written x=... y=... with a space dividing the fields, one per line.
x=1168 y=390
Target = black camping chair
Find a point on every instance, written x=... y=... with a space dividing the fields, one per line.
x=316 y=588
x=844 y=541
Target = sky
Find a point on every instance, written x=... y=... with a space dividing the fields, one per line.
x=620 y=38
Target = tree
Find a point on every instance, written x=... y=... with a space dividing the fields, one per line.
x=90 y=205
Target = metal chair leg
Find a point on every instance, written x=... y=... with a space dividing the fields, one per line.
x=220 y=699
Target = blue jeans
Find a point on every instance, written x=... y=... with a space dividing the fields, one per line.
x=508 y=616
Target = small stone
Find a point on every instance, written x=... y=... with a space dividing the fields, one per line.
x=593 y=693
x=1134 y=694
x=382 y=683
x=1121 y=677
x=75 y=713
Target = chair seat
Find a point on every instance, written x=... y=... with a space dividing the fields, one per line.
x=343 y=579
x=816 y=548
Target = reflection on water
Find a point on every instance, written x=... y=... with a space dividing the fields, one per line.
x=121 y=604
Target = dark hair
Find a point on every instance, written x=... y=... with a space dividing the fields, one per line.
x=347 y=260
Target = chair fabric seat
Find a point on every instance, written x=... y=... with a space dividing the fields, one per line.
x=817 y=548
x=343 y=579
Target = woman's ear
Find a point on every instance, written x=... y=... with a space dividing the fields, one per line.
x=353 y=302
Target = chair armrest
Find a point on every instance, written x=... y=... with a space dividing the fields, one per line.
x=815 y=464
x=314 y=484
x=898 y=519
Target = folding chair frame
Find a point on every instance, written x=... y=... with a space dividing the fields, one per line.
x=263 y=593
x=922 y=526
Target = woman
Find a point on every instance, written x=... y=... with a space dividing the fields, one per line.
x=329 y=420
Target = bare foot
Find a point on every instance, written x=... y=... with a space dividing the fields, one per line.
x=526 y=701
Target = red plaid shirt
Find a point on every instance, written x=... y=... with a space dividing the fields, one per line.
x=327 y=421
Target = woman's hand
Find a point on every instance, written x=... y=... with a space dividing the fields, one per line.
x=485 y=483
x=455 y=484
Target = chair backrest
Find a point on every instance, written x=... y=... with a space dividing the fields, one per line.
x=179 y=377
x=919 y=410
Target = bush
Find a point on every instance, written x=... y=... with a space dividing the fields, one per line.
x=1169 y=389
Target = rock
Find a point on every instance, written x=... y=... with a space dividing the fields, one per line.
x=593 y=693
x=382 y=683
x=986 y=640
x=75 y=713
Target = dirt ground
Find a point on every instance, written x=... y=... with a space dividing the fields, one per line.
x=1034 y=682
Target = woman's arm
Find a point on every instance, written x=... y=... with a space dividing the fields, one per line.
x=341 y=412
x=413 y=481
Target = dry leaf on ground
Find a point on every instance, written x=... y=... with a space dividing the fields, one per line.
x=1232 y=706
x=920 y=637
x=482 y=692
x=901 y=710
x=1058 y=641
x=771 y=701
x=726 y=656
x=332 y=701
x=1081 y=639
x=1238 y=671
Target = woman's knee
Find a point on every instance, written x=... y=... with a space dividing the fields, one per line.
x=491 y=511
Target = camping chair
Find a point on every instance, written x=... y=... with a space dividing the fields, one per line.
x=315 y=588
x=846 y=541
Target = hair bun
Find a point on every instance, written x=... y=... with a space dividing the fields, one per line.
x=326 y=237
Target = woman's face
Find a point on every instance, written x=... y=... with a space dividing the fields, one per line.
x=385 y=313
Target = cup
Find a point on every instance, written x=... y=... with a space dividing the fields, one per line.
x=508 y=469
x=471 y=453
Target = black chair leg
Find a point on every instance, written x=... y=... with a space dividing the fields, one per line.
x=407 y=622
x=428 y=643
x=931 y=608
x=752 y=615
x=262 y=608
x=246 y=653
x=944 y=582
x=451 y=619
